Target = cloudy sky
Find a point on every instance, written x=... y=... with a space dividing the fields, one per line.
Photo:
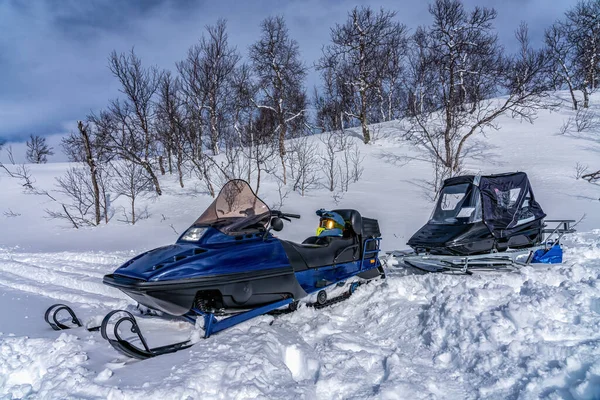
x=53 y=53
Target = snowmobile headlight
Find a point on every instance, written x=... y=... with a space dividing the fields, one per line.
x=193 y=234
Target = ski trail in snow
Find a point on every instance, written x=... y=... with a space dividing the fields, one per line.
x=57 y=292
x=42 y=275
x=78 y=280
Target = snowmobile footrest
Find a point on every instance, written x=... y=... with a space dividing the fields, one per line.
x=212 y=325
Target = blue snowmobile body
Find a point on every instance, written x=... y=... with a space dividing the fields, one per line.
x=229 y=261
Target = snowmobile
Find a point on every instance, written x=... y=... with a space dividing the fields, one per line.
x=230 y=265
x=485 y=222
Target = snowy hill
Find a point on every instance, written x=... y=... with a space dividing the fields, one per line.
x=528 y=334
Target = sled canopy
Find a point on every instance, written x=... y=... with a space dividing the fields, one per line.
x=477 y=214
x=507 y=200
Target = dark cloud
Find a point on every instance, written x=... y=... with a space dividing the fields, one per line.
x=53 y=54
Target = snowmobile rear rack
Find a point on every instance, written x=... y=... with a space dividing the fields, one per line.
x=564 y=226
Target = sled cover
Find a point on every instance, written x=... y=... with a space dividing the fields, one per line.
x=507 y=200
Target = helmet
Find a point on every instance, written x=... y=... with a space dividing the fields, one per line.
x=331 y=223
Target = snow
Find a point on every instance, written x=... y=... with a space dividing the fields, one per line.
x=533 y=333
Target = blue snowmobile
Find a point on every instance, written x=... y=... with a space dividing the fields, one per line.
x=229 y=264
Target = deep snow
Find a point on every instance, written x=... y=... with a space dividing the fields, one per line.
x=527 y=334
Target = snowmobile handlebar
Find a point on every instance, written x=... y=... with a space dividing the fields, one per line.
x=283 y=215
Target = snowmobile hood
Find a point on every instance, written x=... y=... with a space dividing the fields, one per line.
x=436 y=235
x=193 y=260
x=439 y=236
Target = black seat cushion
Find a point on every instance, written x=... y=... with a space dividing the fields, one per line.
x=321 y=251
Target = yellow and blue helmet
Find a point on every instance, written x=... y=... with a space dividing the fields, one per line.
x=331 y=223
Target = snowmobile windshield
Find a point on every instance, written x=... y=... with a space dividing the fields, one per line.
x=236 y=210
x=457 y=204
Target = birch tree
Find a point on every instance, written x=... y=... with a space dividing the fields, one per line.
x=128 y=122
x=280 y=77
x=359 y=55
x=458 y=66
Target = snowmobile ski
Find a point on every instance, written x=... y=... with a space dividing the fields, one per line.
x=51 y=317
x=110 y=329
x=110 y=332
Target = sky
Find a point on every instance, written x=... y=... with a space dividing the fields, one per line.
x=54 y=54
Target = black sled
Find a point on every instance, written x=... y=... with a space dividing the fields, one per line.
x=485 y=222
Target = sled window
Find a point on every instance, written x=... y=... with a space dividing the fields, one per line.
x=525 y=213
x=452 y=196
x=507 y=199
x=457 y=204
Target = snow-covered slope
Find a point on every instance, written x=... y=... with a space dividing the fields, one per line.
x=528 y=334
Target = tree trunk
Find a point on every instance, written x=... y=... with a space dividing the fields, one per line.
x=214 y=134
x=146 y=165
x=180 y=171
x=282 y=133
x=363 y=117
x=573 y=98
x=257 y=177
x=133 y=211
x=586 y=98
x=93 y=171
x=170 y=160
x=96 y=194
x=161 y=163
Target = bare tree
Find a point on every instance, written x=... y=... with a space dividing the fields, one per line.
x=304 y=164
x=244 y=111
x=582 y=27
x=218 y=63
x=170 y=121
x=18 y=171
x=38 y=150
x=456 y=66
x=362 y=55
x=127 y=123
x=76 y=186
x=562 y=54
x=334 y=142
x=258 y=137
x=131 y=181
x=276 y=62
x=206 y=74
x=85 y=147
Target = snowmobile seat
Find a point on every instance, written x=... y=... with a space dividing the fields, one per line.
x=318 y=251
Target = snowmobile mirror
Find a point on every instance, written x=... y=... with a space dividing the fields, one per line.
x=276 y=224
